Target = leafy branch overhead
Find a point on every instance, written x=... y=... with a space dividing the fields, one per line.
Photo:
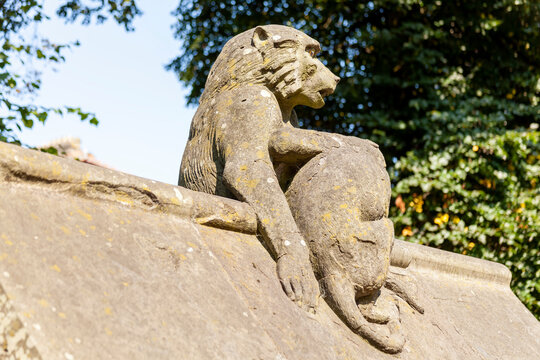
x=449 y=89
x=21 y=57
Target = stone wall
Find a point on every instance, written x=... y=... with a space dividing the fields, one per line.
x=97 y=264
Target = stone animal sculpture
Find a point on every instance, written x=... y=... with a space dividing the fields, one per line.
x=244 y=143
x=350 y=239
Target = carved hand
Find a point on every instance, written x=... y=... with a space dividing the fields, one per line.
x=298 y=281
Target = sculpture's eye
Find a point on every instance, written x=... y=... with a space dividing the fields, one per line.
x=312 y=52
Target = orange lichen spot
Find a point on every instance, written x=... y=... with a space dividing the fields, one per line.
x=55 y=268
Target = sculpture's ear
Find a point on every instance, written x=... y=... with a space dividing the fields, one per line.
x=261 y=38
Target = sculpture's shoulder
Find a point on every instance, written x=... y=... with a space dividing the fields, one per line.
x=246 y=97
x=244 y=106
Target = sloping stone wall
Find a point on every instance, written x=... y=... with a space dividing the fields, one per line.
x=98 y=264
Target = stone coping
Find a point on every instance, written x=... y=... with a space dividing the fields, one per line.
x=24 y=167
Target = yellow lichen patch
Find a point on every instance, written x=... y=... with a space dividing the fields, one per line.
x=337 y=187
x=43 y=303
x=86 y=215
x=285 y=134
x=351 y=189
x=343 y=206
x=83 y=233
x=182 y=257
x=243 y=167
x=228 y=150
x=265 y=221
x=252 y=183
x=126 y=284
x=3 y=256
x=62 y=315
x=34 y=216
x=228 y=254
x=123 y=198
x=327 y=216
x=108 y=331
x=260 y=154
x=55 y=268
x=108 y=311
x=56 y=169
x=65 y=230
x=76 y=258
x=27 y=315
x=8 y=242
x=92 y=227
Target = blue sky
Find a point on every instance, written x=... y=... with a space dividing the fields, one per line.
x=119 y=76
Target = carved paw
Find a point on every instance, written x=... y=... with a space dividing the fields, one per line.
x=298 y=282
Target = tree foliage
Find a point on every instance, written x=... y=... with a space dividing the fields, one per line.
x=449 y=89
x=22 y=56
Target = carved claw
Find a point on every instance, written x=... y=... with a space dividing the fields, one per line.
x=404 y=287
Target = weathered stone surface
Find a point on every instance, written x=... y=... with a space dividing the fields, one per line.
x=93 y=270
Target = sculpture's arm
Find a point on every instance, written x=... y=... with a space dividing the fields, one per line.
x=249 y=174
x=292 y=145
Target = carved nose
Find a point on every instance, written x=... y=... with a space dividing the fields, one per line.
x=336 y=79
